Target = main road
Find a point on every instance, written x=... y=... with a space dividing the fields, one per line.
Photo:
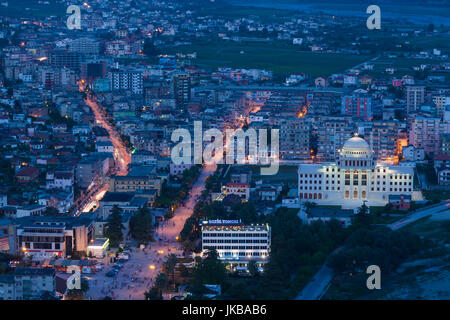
x=122 y=156
x=139 y=273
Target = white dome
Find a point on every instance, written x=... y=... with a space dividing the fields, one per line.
x=356 y=147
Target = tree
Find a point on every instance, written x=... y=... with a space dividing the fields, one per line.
x=50 y=211
x=153 y=294
x=149 y=49
x=170 y=265
x=209 y=271
x=309 y=205
x=238 y=291
x=253 y=268
x=114 y=227
x=78 y=294
x=141 y=228
x=161 y=281
x=246 y=212
x=363 y=218
x=184 y=272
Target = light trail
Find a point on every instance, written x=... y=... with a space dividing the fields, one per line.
x=121 y=155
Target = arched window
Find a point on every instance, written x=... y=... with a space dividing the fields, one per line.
x=355 y=194
x=363 y=194
x=320 y=196
x=347 y=194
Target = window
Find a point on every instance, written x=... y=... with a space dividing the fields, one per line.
x=355 y=179
x=347 y=179
x=364 y=179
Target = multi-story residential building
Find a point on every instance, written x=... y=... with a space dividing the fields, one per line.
x=332 y=133
x=92 y=167
x=410 y=153
x=425 y=133
x=126 y=80
x=59 y=180
x=93 y=69
x=383 y=135
x=3 y=200
x=85 y=46
x=178 y=169
x=415 y=96
x=104 y=146
x=358 y=105
x=128 y=202
x=28 y=284
x=30 y=210
x=143 y=157
x=118 y=48
x=445 y=143
x=237 y=244
x=353 y=178
x=442 y=168
x=33 y=283
x=139 y=178
x=294 y=139
x=62 y=58
x=441 y=101
x=181 y=88
x=7 y=287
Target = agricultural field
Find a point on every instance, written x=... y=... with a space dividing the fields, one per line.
x=281 y=59
x=32 y=8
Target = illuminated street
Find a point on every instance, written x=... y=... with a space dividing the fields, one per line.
x=122 y=286
x=121 y=156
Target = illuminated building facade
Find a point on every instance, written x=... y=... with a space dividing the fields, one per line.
x=353 y=178
x=237 y=244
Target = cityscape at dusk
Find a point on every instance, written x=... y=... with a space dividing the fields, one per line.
x=224 y=150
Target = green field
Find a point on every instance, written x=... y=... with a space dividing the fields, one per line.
x=31 y=8
x=440 y=9
x=281 y=59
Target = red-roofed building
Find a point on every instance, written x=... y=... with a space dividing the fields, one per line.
x=27 y=174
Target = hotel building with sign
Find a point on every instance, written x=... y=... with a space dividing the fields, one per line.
x=356 y=176
x=237 y=244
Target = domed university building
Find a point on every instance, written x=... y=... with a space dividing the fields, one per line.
x=355 y=176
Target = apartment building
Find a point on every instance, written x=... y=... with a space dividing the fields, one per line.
x=425 y=133
x=126 y=80
x=294 y=139
x=415 y=96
